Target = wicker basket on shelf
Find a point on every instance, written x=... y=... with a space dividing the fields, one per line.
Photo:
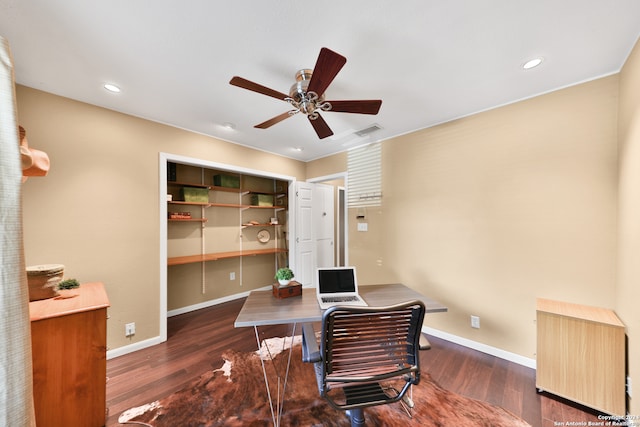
x=43 y=279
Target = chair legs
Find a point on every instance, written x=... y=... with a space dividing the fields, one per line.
x=356 y=416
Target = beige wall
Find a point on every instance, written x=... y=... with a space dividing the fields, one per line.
x=97 y=210
x=327 y=166
x=506 y=206
x=489 y=212
x=628 y=293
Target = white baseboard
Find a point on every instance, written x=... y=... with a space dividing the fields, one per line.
x=121 y=351
x=212 y=302
x=206 y=304
x=494 y=351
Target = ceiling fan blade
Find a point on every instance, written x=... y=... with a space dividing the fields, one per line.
x=321 y=127
x=273 y=121
x=327 y=67
x=370 y=106
x=255 y=87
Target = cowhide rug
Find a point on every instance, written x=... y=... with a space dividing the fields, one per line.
x=235 y=395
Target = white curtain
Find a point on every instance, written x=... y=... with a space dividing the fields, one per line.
x=16 y=385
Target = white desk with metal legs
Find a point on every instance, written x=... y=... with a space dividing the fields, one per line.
x=261 y=308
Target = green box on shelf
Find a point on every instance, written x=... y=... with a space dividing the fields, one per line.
x=262 y=200
x=228 y=181
x=195 y=194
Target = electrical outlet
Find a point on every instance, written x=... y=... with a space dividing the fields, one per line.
x=475 y=322
x=129 y=329
x=232 y=275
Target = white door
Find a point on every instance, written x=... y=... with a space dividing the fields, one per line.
x=314 y=230
x=305 y=253
x=323 y=224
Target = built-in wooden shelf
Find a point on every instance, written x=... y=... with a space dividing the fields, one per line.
x=225 y=205
x=227 y=230
x=208 y=204
x=210 y=187
x=227 y=189
x=190 y=259
x=188 y=219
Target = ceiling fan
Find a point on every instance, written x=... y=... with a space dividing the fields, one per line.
x=307 y=94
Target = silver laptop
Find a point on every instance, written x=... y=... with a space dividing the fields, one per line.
x=337 y=286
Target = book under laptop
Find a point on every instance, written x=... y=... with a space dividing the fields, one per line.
x=337 y=286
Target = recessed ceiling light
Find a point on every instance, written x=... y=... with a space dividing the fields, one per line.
x=298 y=148
x=112 y=88
x=532 y=63
x=228 y=125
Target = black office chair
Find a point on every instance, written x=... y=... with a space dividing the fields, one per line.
x=368 y=356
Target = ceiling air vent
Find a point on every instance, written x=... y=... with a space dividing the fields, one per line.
x=366 y=131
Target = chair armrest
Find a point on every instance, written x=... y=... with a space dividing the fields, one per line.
x=424 y=343
x=310 y=350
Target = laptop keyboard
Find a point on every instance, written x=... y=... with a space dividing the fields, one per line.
x=349 y=298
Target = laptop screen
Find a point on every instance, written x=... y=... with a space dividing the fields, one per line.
x=336 y=280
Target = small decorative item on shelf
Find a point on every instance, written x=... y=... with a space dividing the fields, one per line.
x=284 y=276
x=263 y=236
x=195 y=194
x=228 y=181
x=43 y=280
x=265 y=200
x=67 y=288
x=171 y=171
x=274 y=221
x=179 y=215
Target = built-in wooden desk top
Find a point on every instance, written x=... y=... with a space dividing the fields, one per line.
x=262 y=308
x=91 y=296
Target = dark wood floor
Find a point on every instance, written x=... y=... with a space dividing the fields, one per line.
x=197 y=340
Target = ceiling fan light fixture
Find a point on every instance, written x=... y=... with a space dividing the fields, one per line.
x=303 y=100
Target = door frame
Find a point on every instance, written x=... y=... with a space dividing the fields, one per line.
x=163 y=159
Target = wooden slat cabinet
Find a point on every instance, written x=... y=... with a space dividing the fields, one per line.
x=581 y=355
x=68 y=339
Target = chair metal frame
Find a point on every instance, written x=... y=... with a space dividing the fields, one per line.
x=367 y=355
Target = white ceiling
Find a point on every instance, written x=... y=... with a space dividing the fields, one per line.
x=429 y=61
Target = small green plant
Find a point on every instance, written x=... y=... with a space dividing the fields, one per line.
x=69 y=284
x=284 y=274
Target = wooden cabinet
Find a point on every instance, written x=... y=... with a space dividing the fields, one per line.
x=581 y=355
x=69 y=346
